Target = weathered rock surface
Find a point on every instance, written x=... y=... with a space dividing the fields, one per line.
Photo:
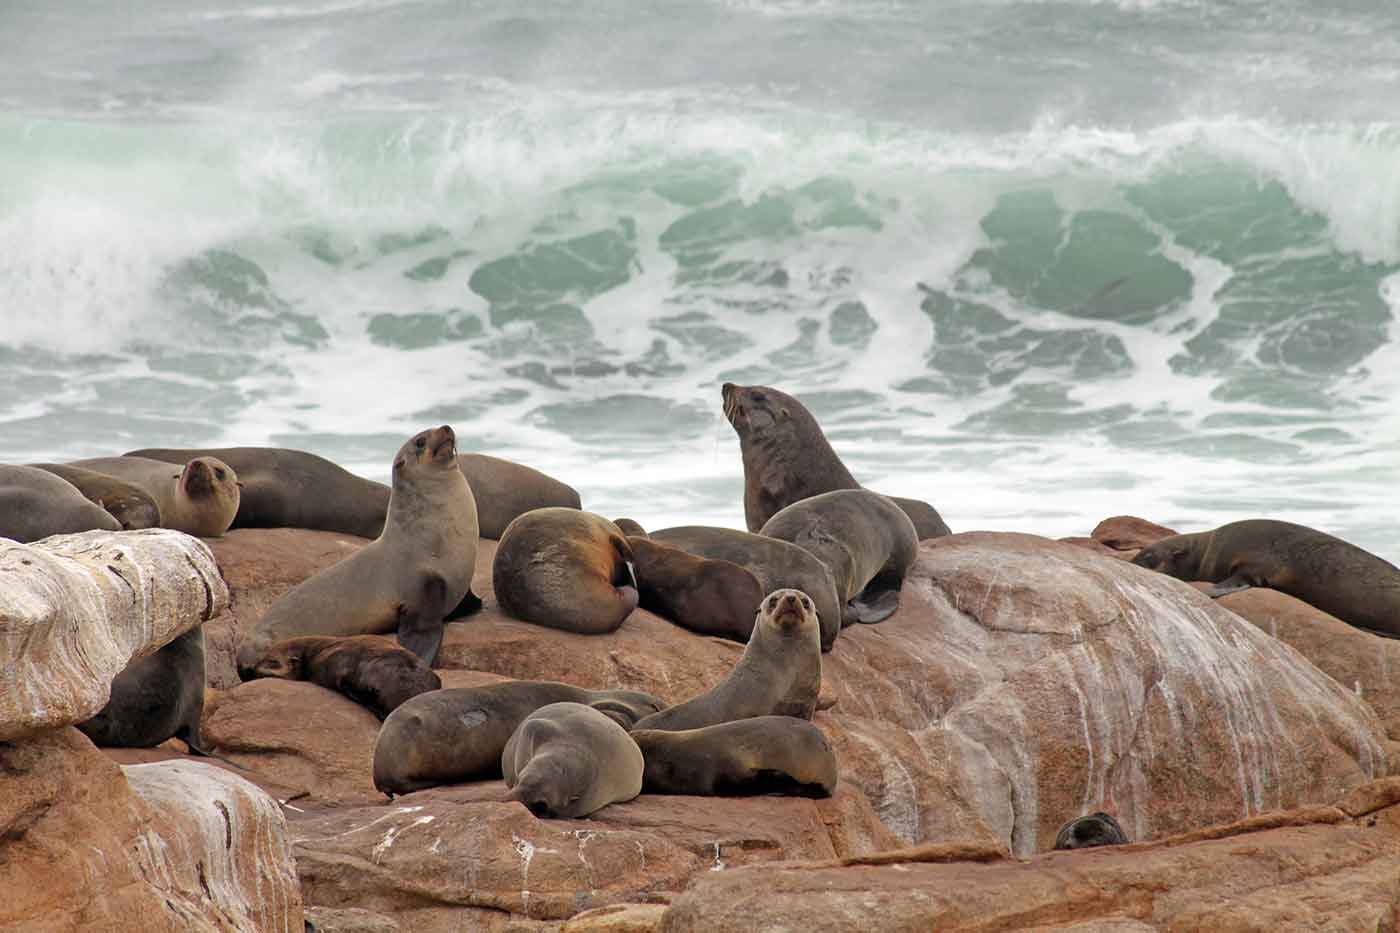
x=87 y=845
x=1129 y=533
x=75 y=609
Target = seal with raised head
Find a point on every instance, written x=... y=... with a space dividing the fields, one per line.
x=1087 y=832
x=456 y=735
x=566 y=569
x=787 y=458
x=35 y=504
x=1323 y=571
x=199 y=499
x=285 y=488
x=505 y=490
x=129 y=504
x=713 y=597
x=408 y=579
x=154 y=698
x=865 y=540
x=779 y=673
x=568 y=760
x=761 y=755
x=778 y=565
x=369 y=669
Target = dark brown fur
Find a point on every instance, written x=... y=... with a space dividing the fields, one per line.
x=714 y=597
x=128 y=503
x=369 y=669
x=760 y=755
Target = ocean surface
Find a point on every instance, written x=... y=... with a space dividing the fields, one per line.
x=1038 y=262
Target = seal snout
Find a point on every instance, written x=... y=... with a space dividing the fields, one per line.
x=444 y=442
x=788 y=607
x=197 y=477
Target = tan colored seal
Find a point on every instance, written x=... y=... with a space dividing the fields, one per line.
x=505 y=490
x=779 y=673
x=369 y=669
x=714 y=597
x=200 y=499
x=568 y=760
x=35 y=504
x=406 y=580
x=129 y=504
x=566 y=569
x=761 y=755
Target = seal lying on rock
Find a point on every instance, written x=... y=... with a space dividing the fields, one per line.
x=567 y=760
x=1339 y=578
x=128 y=503
x=713 y=597
x=1087 y=832
x=762 y=755
x=35 y=504
x=864 y=539
x=368 y=669
x=154 y=698
x=506 y=490
x=199 y=499
x=406 y=580
x=779 y=673
x=455 y=735
x=787 y=458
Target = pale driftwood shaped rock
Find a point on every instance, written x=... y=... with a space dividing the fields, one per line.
x=75 y=609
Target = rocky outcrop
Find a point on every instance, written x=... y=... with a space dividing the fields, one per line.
x=75 y=609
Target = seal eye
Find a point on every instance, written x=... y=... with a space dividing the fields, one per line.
x=772 y=604
x=219 y=473
x=806 y=603
x=419 y=443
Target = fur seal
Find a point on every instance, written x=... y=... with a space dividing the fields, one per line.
x=714 y=597
x=762 y=755
x=630 y=528
x=1096 y=829
x=779 y=673
x=285 y=488
x=368 y=669
x=406 y=580
x=35 y=504
x=865 y=540
x=506 y=490
x=155 y=698
x=128 y=503
x=787 y=458
x=201 y=499
x=777 y=565
x=568 y=760
x=455 y=735
x=566 y=569
x=1339 y=578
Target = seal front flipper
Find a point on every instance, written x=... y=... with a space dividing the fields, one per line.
x=876 y=603
x=420 y=625
x=1229 y=585
x=470 y=605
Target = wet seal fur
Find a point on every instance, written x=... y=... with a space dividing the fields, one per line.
x=407 y=580
x=369 y=669
x=863 y=538
x=787 y=458
x=199 y=499
x=566 y=569
x=777 y=564
x=1088 y=832
x=154 y=698
x=761 y=755
x=129 y=504
x=568 y=760
x=458 y=734
x=713 y=597
x=779 y=673
x=35 y=504
x=505 y=490
x=1326 y=572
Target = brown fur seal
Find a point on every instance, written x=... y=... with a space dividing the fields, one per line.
x=129 y=504
x=779 y=673
x=865 y=540
x=568 y=760
x=456 y=735
x=506 y=490
x=368 y=669
x=566 y=569
x=762 y=755
x=35 y=504
x=200 y=499
x=154 y=698
x=714 y=597
x=406 y=580
x=1339 y=578
x=1087 y=832
x=630 y=528
x=787 y=458
x=285 y=488
x=777 y=565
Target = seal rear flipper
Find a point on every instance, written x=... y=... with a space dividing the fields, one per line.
x=1229 y=585
x=876 y=603
x=470 y=605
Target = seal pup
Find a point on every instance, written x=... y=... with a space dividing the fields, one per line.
x=713 y=597
x=865 y=540
x=458 y=734
x=762 y=755
x=154 y=698
x=568 y=760
x=566 y=569
x=1087 y=832
x=787 y=458
x=284 y=488
x=406 y=580
x=201 y=499
x=777 y=564
x=779 y=673
x=368 y=669
x=129 y=504
x=35 y=504
x=1326 y=572
x=505 y=490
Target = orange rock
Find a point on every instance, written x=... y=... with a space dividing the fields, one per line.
x=1129 y=533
